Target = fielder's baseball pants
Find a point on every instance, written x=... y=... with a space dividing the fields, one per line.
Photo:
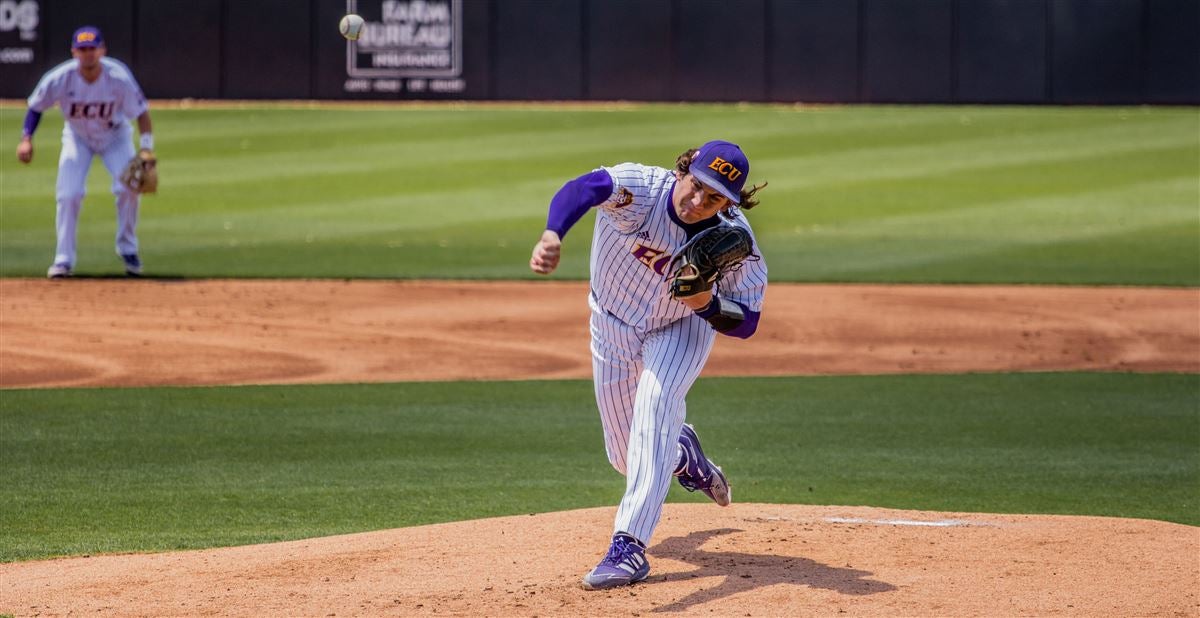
x=74 y=163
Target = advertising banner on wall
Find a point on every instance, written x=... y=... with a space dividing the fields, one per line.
x=408 y=49
x=21 y=46
x=411 y=44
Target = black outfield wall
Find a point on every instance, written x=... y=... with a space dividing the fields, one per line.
x=852 y=51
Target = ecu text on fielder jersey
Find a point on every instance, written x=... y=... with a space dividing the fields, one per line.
x=649 y=347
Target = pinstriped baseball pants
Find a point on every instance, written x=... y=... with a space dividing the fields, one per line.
x=641 y=380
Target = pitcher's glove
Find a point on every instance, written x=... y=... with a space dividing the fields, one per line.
x=141 y=174
x=707 y=257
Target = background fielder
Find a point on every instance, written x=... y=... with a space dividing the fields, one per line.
x=648 y=347
x=98 y=96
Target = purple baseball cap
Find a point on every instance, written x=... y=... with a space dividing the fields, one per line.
x=87 y=36
x=723 y=167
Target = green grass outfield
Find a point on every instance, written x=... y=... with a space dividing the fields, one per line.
x=894 y=194
x=106 y=470
x=887 y=194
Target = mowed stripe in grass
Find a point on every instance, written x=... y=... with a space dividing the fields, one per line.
x=1001 y=232
x=152 y=469
x=857 y=193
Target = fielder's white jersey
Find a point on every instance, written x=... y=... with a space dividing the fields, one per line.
x=636 y=234
x=96 y=113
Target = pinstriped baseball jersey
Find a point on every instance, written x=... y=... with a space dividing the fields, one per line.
x=648 y=349
x=96 y=113
x=636 y=234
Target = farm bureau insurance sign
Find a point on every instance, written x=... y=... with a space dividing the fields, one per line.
x=19 y=21
x=406 y=46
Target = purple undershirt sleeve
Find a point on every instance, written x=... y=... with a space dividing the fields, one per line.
x=32 y=119
x=748 y=326
x=741 y=331
x=710 y=310
x=576 y=198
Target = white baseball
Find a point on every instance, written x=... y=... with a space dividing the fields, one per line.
x=351 y=27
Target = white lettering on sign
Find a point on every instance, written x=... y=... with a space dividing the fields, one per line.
x=22 y=17
x=409 y=59
x=16 y=55
x=405 y=39
x=383 y=36
x=447 y=85
x=18 y=15
x=416 y=10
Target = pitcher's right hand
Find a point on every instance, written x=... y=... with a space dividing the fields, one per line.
x=546 y=253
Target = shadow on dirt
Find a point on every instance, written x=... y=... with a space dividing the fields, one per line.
x=744 y=572
x=157 y=277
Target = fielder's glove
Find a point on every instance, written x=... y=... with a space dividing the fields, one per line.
x=707 y=257
x=141 y=174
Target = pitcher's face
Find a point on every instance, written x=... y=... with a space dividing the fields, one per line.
x=695 y=201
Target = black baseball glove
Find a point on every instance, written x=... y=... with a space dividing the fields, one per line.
x=707 y=257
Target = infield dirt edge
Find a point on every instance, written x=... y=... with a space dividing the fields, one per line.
x=748 y=559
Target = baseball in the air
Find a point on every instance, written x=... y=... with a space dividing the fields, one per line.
x=351 y=27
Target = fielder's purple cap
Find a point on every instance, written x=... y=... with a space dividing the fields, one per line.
x=87 y=36
x=723 y=167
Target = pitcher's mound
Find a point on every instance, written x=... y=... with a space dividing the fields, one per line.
x=745 y=560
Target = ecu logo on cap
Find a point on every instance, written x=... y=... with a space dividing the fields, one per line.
x=724 y=168
x=85 y=37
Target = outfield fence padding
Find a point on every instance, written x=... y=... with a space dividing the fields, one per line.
x=826 y=51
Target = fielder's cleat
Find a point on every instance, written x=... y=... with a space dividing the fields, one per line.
x=624 y=564
x=699 y=472
x=133 y=264
x=58 y=271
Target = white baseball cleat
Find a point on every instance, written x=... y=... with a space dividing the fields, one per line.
x=58 y=271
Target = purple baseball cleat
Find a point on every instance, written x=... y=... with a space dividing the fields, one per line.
x=133 y=264
x=624 y=564
x=699 y=472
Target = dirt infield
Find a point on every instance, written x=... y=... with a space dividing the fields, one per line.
x=137 y=333
x=747 y=560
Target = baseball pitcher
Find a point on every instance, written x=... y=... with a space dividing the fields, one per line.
x=674 y=262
